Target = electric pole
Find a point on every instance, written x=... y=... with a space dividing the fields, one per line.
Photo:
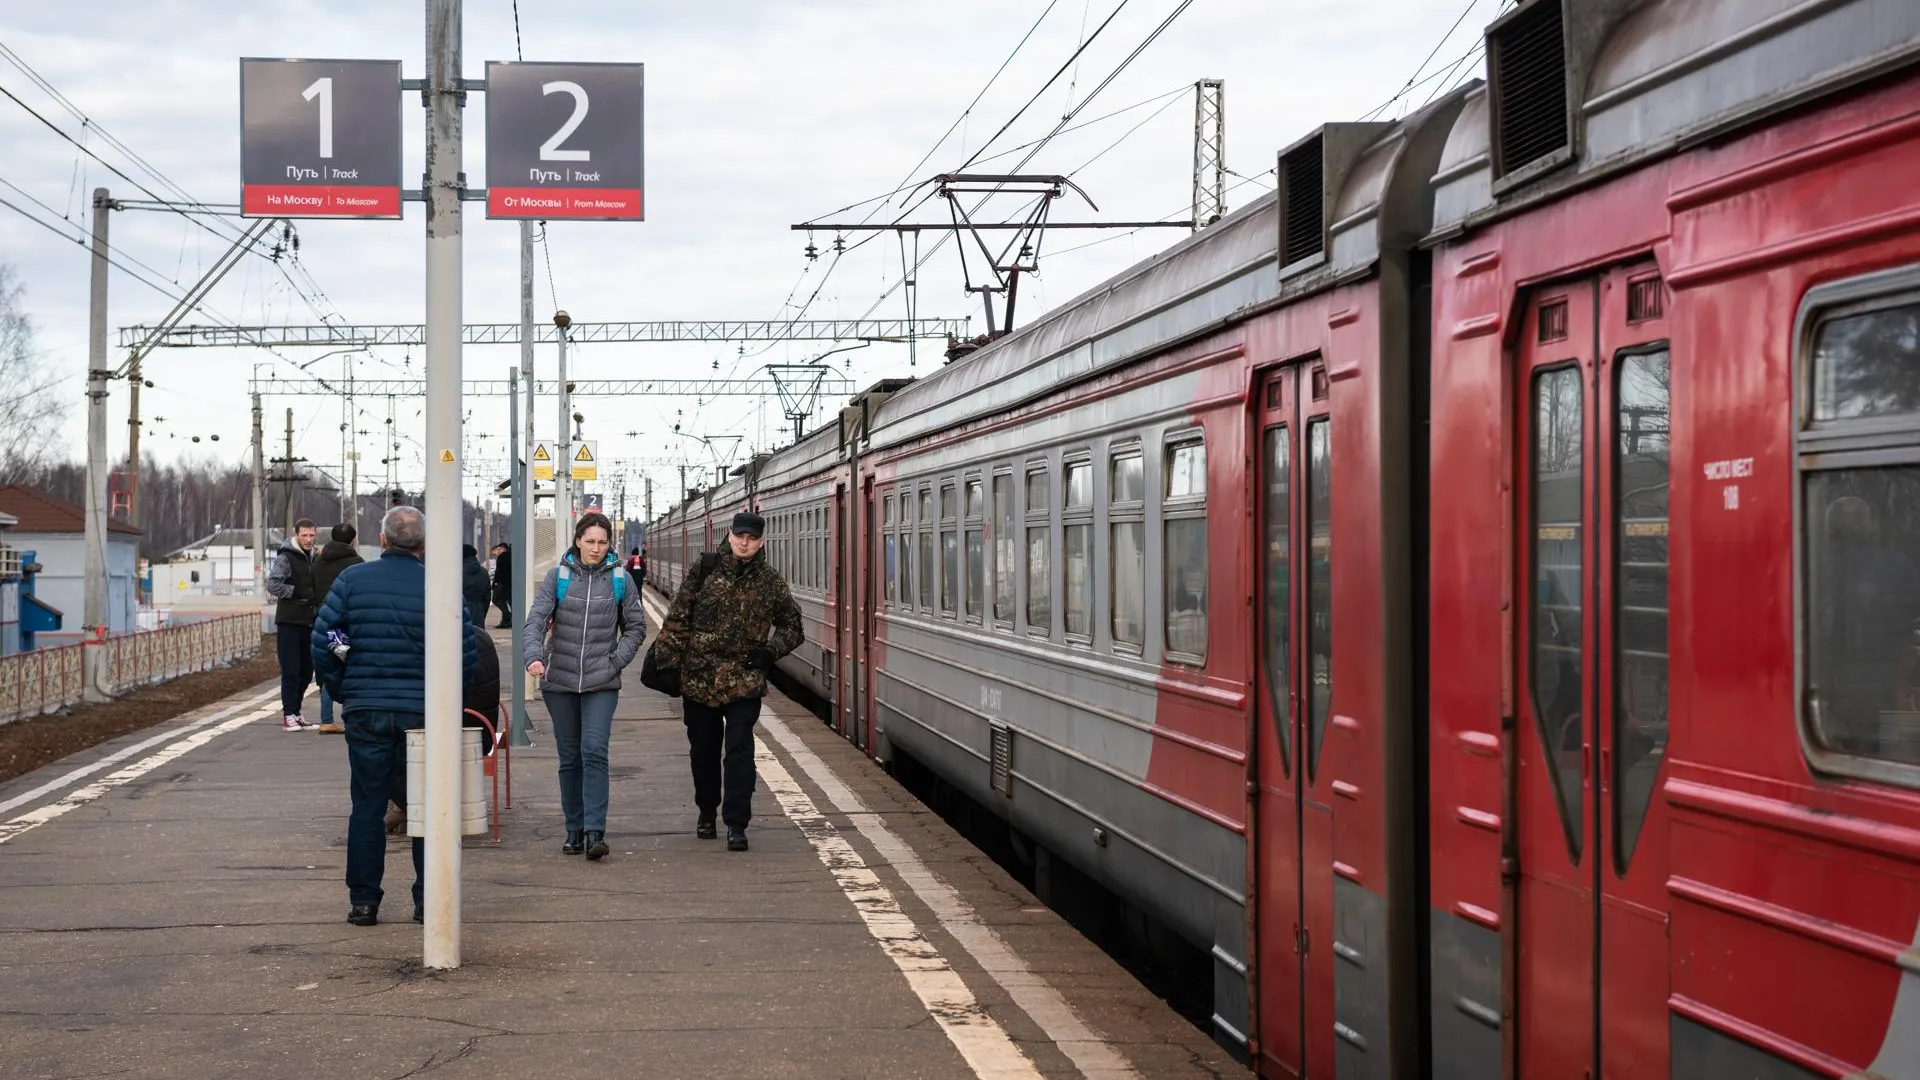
x=444 y=97
x=523 y=494
x=94 y=656
x=1209 y=152
x=133 y=443
x=286 y=476
x=563 y=453
x=259 y=505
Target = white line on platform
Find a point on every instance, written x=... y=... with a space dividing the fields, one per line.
x=36 y=818
x=975 y=1033
x=125 y=752
x=1089 y=1053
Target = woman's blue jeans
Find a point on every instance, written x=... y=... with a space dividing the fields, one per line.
x=582 y=730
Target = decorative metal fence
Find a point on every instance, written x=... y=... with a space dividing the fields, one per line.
x=48 y=679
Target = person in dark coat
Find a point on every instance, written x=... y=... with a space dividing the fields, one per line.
x=380 y=683
x=724 y=632
x=503 y=583
x=290 y=583
x=481 y=691
x=473 y=585
x=338 y=554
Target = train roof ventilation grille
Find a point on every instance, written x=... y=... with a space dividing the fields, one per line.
x=1528 y=66
x=1553 y=321
x=1303 y=217
x=1646 y=299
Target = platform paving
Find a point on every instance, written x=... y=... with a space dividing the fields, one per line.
x=180 y=912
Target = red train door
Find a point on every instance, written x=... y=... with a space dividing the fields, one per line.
x=1293 y=852
x=1594 y=425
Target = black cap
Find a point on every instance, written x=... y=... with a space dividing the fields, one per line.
x=750 y=524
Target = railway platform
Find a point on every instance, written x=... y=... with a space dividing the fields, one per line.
x=172 y=905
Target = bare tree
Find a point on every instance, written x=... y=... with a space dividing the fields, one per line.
x=31 y=408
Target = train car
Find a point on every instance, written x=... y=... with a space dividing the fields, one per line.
x=1674 y=756
x=1561 y=440
x=1067 y=524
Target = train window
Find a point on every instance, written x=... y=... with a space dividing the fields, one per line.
x=976 y=500
x=925 y=556
x=1860 y=521
x=1129 y=584
x=948 y=507
x=1277 y=620
x=890 y=509
x=1186 y=469
x=1038 y=498
x=949 y=551
x=1005 y=563
x=1129 y=478
x=892 y=562
x=1559 y=464
x=1319 y=615
x=1079 y=580
x=1184 y=551
x=976 y=573
x=1642 y=399
x=1079 y=488
x=1040 y=579
x=1867 y=364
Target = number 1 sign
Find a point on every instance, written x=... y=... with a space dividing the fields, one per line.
x=320 y=138
x=564 y=141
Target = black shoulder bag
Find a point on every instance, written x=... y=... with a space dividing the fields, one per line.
x=666 y=680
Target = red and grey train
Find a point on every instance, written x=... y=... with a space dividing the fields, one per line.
x=1471 y=592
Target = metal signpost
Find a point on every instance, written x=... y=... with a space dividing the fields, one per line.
x=322 y=138
x=564 y=141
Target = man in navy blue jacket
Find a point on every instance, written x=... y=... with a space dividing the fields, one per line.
x=381 y=686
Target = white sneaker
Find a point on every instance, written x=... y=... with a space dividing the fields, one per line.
x=294 y=723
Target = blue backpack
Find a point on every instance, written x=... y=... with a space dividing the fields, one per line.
x=619 y=592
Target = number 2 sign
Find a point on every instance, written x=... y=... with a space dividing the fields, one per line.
x=320 y=138
x=564 y=141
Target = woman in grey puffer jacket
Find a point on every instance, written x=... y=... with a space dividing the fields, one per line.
x=592 y=639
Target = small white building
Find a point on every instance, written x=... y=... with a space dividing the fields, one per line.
x=56 y=530
x=218 y=564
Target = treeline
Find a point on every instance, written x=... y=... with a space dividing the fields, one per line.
x=184 y=501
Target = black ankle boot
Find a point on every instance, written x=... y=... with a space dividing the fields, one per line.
x=572 y=844
x=705 y=828
x=596 y=844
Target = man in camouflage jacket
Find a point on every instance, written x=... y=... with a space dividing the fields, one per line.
x=725 y=630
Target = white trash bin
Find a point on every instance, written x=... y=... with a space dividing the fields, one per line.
x=473 y=788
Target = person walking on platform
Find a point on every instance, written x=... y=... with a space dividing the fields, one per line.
x=597 y=626
x=369 y=648
x=733 y=618
x=290 y=583
x=338 y=554
x=473 y=584
x=503 y=584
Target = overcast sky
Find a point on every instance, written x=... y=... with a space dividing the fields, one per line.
x=759 y=114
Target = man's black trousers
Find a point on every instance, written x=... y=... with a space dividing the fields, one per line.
x=726 y=785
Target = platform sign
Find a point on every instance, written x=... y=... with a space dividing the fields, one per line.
x=586 y=460
x=543 y=461
x=320 y=138
x=564 y=141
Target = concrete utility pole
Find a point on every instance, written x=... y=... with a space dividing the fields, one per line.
x=563 y=453
x=259 y=507
x=94 y=656
x=649 y=499
x=286 y=478
x=520 y=465
x=133 y=443
x=444 y=99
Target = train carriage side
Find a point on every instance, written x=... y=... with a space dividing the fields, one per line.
x=1059 y=518
x=1654 y=852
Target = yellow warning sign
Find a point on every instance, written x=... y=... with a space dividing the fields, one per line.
x=446 y=457
x=540 y=453
x=586 y=461
x=543 y=461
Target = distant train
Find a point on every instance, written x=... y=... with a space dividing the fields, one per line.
x=1471 y=592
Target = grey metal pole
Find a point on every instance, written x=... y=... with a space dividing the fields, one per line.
x=446 y=618
x=563 y=454
x=516 y=560
x=259 y=512
x=94 y=656
x=524 y=502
